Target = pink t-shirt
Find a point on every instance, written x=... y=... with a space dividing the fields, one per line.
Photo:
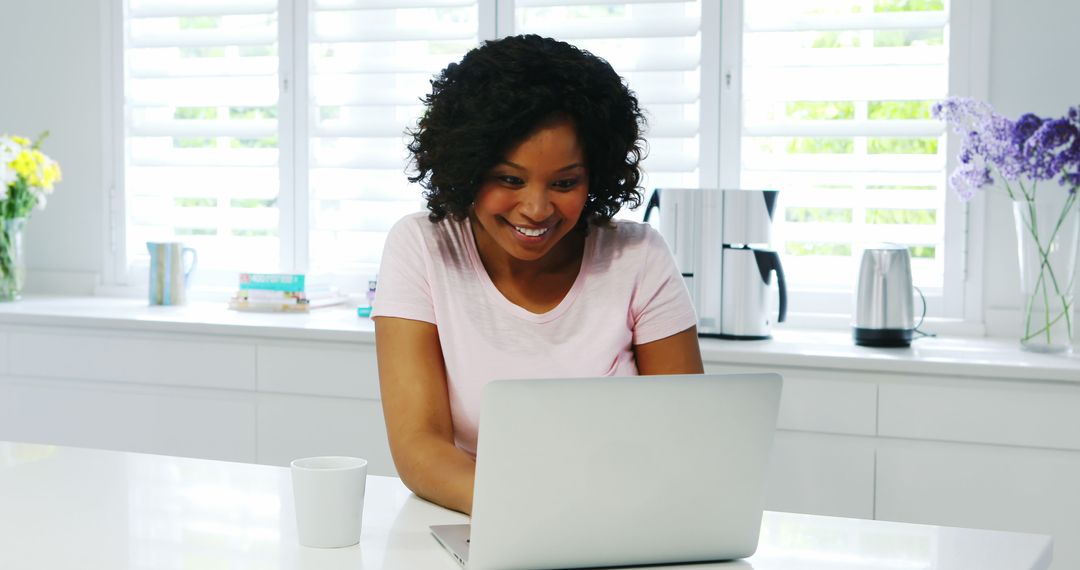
x=628 y=292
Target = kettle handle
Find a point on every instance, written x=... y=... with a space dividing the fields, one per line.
x=654 y=202
x=767 y=261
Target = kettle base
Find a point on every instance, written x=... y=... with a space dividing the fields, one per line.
x=882 y=338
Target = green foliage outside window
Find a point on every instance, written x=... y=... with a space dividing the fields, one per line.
x=251 y=203
x=252 y=113
x=195 y=113
x=904 y=38
x=202 y=52
x=923 y=251
x=254 y=233
x=265 y=142
x=821 y=145
x=909 y=5
x=899 y=216
x=196 y=202
x=199 y=22
x=902 y=145
x=898 y=110
x=194 y=142
x=835 y=40
x=803 y=248
x=820 y=110
x=818 y=215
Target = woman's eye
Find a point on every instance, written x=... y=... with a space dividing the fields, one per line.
x=567 y=184
x=510 y=180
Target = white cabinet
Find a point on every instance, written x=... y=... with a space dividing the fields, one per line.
x=214 y=397
x=212 y=424
x=984 y=486
x=1026 y=413
x=162 y=360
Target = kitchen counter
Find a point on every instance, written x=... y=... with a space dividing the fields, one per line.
x=952 y=356
x=85 y=508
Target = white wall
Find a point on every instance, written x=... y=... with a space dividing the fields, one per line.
x=53 y=76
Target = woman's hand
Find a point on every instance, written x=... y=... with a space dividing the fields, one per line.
x=416 y=404
x=676 y=354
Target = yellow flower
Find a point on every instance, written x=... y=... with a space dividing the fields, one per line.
x=21 y=140
x=24 y=163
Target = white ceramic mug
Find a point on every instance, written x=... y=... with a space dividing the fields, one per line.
x=329 y=496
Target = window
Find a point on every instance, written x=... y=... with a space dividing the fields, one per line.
x=269 y=134
x=836 y=99
x=202 y=130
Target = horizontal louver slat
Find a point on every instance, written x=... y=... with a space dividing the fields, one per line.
x=779 y=22
x=137 y=9
x=849 y=128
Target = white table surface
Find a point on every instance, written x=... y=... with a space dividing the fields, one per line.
x=70 y=508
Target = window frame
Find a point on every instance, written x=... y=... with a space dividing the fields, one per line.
x=969 y=43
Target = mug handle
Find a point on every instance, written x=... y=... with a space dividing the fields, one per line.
x=194 y=261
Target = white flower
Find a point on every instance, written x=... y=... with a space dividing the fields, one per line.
x=9 y=149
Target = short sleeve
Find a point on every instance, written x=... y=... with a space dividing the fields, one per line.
x=661 y=305
x=404 y=287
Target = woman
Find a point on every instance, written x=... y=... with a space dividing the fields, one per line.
x=527 y=149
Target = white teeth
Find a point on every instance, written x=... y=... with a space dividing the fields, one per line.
x=531 y=232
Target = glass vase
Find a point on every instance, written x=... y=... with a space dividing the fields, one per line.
x=1047 y=230
x=12 y=263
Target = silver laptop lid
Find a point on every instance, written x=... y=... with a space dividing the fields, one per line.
x=619 y=471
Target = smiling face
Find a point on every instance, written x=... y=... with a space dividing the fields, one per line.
x=533 y=198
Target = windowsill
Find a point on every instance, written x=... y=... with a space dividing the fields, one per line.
x=949 y=356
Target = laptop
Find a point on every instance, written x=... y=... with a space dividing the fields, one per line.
x=587 y=472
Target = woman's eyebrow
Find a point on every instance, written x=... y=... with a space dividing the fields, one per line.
x=519 y=167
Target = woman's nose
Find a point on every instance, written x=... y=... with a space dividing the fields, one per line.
x=536 y=203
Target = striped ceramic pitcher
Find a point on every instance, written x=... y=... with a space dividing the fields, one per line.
x=168 y=277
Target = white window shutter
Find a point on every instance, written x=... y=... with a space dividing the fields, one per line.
x=835 y=114
x=656 y=47
x=201 y=91
x=370 y=64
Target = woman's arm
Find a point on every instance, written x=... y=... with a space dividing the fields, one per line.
x=676 y=354
x=412 y=378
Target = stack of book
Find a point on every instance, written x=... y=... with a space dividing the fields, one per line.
x=282 y=292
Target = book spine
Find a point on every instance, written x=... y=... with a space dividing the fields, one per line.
x=272 y=282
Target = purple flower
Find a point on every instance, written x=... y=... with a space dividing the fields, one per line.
x=1031 y=147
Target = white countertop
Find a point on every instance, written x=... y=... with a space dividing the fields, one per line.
x=953 y=356
x=64 y=508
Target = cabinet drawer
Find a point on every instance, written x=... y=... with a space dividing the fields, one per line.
x=143 y=359
x=983 y=486
x=829 y=401
x=1010 y=413
x=350 y=371
x=208 y=424
x=821 y=475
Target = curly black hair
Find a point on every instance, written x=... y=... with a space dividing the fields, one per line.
x=498 y=94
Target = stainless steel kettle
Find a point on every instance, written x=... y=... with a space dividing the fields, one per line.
x=885 y=299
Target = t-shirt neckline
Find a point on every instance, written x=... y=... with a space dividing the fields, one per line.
x=510 y=306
